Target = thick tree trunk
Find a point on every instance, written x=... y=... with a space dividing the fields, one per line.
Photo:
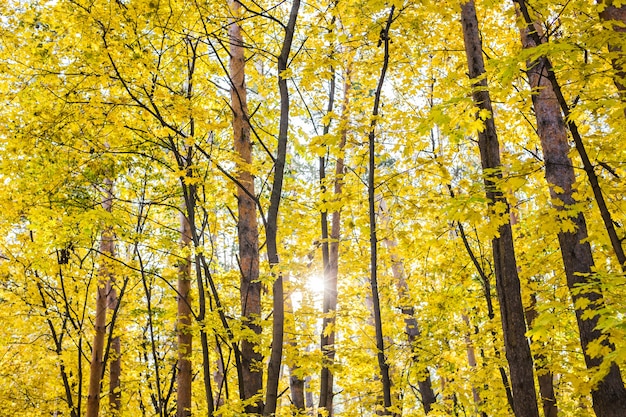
x=105 y=276
x=274 y=365
x=618 y=15
x=507 y=280
x=411 y=328
x=380 y=340
x=247 y=227
x=546 y=65
x=609 y=399
x=183 y=328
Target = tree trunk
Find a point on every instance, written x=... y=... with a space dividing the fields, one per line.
x=329 y=302
x=273 y=368
x=545 y=64
x=411 y=328
x=507 y=280
x=490 y=313
x=296 y=383
x=183 y=328
x=247 y=227
x=544 y=375
x=471 y=361
x=331 y=263
x=609 y=399
x=380 y=341
x=105 y=276
x=616 y=14
x=115 y=366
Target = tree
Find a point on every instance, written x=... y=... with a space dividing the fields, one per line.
x=273 y=370
x=609 y=396
x=247 y=229
x=183 y=326
x=104 y=287
x=507 y=280
x=176 y=103
x=385 y=38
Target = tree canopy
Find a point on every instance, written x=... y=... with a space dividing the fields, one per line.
x=244 y=207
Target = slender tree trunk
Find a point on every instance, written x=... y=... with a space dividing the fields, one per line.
x=331 y=273
x=219 y=376
x=380 y=340
x=471 y=361
x=411 y=328
x=490 y=312
x=183 y=328
x=202 y=271
x=115 y=365
x=507 y=280
x=57 y=339
x=247 y=227
x=609 y=398
x=544 y=374
x=330 y=254
x=296 y=383
x=273 y=368
x=329 y=302
x=105 y=276
x=185 y=160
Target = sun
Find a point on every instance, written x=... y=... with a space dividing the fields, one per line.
x=315 y=284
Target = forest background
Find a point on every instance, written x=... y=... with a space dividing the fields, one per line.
x=345 y=208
